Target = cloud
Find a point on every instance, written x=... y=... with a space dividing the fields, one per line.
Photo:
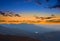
x=57 y=5
x=27 y=0
x=17 y=15
x=47 y=0
x=37 y=2
x=58 y=0
x=2 y=13
x=9 y=14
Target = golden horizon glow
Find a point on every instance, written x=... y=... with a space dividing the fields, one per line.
x=28 y=20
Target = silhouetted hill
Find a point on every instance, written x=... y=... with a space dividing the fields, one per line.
x=15 y=38
x=13 y=31
x=28 y=27
x=29 y=30
x=51 y=36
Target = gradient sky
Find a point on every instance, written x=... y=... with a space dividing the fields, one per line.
x=29 y=7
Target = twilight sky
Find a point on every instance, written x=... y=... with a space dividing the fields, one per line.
x=30 y=7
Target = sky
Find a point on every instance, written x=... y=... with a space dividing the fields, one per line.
x=30 y=7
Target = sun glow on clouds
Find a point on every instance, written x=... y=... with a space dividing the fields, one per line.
x=28 y=20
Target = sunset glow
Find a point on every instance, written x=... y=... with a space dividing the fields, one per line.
x=28 y=20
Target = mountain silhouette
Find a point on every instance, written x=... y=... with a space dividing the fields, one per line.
x=13 y=31
x=29 y=30
x=28 y=27
x=16 y=38
x=51 y=36
x=6 y=32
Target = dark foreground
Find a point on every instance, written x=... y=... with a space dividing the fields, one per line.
x=15 y=38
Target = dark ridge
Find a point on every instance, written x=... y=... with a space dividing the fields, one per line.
x=51 y=36
x=15 y=38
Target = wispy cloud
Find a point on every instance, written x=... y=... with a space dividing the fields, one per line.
x=27 y=0
x=9 y=14
x=57 y=5
x=38 y=2
x=47 y=0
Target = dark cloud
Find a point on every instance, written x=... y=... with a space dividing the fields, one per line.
x=47 y=0
x=38 y=2
x=9 y=14
x=27 y=0
x=35 y=1
x=17 y=15
x=2 y=13
x=58 y=0
x=57 y=5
